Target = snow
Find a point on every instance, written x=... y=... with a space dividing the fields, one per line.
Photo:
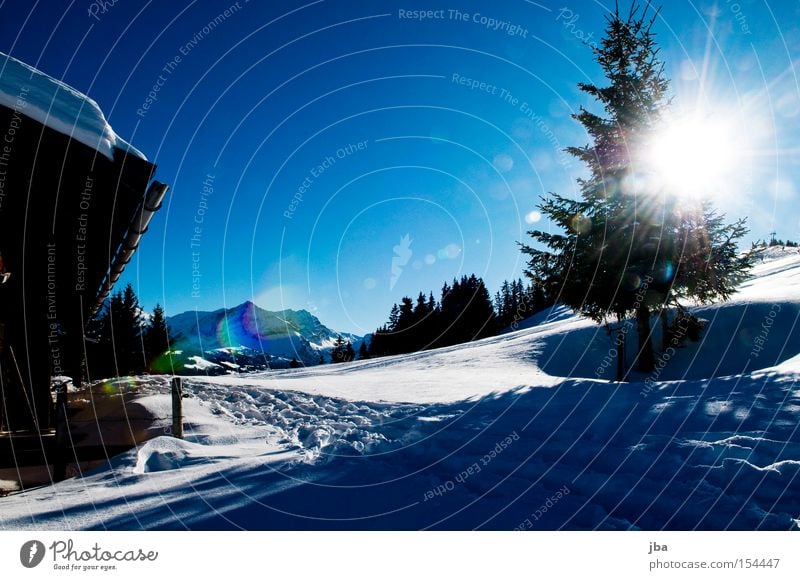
x=60 y=380
x=8 y=486
x=511 y=432
x=444 y=375
x=56 y=105
x=200 y=364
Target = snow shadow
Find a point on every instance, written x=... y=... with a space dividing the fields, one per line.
x=719 y=454
x=738 y=338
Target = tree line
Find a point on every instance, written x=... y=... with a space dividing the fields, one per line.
x=778 y=242
x=121 y=340
x=464 y=312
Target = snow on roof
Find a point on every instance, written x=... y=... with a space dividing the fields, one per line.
x=56 y=105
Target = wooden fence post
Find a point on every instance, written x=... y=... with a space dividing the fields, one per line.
x=177 y=407
x=60 y=459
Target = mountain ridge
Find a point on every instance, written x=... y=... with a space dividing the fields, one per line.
x=247 y=337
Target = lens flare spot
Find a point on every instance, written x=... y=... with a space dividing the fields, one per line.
x=503 y=163
x=665 y=273
x=633 y=282
x=449 y=252
x=580 y=224
x=532 y=217
x=163 y=363
x=109 y=388
x=240 y=328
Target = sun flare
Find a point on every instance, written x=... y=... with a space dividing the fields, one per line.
x=694 y=156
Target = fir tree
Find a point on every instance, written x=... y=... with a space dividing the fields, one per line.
x=156 y=335
x=363 y=351
x=466 y=312
x=406 y=318
x=432 y=306
x=498 y=308
x=394 y=317
x=349 y=352
x=337 y=353
x=342 y=350
x=118 y=346
x=128 y=333
x=626 y=246
x=432 y=323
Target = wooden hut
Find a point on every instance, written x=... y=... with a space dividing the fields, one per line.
x=75 y=200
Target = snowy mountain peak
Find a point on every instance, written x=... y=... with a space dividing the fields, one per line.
x=260 y=336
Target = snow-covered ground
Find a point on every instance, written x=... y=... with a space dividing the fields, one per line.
x=520 y=431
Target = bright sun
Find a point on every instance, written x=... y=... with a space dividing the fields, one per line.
x=693 y=157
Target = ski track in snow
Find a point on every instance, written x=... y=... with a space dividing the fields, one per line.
x=511 y=431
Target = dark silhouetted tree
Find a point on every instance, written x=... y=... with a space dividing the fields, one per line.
x=349 y=352
x=466 y=312
x=342 y=351
x=156 y=336
x=117 y=346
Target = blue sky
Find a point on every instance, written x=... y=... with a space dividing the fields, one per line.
x=303 y=140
